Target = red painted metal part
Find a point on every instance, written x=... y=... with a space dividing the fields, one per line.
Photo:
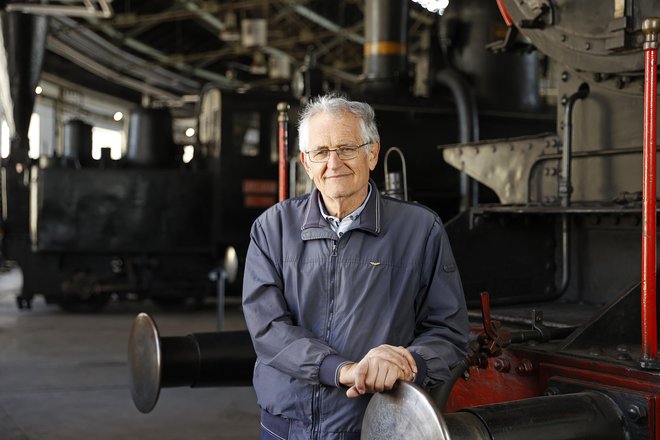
x=283 y=140
x=648 y=297
x=505 y=13
x=532 y=372
x=489 y=385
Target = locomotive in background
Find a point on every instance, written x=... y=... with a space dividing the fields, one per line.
x=145 y=226
x=548 y=242
x=547 y=235
x=150 y=226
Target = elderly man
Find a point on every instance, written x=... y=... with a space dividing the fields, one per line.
x=346 y=291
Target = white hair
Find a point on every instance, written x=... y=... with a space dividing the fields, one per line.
x=336 y=105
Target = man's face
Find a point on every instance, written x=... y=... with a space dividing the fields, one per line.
x=339 y=179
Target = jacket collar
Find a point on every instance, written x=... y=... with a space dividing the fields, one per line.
x=315 y=226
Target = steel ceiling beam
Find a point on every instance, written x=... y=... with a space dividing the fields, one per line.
x=105 y=72
x=314 y=17
x=164 y=58
x=98 y=48
x=87 y=8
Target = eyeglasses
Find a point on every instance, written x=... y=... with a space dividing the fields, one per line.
x=344 y=152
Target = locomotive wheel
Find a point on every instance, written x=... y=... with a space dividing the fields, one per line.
x=92 y=304
x=82 y=294
x=23 y=302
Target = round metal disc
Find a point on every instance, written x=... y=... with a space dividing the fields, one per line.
x=407 y=412
x=144 y=361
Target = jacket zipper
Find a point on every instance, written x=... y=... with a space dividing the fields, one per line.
x=331 y=308
x=315 y=411
x=316 y=400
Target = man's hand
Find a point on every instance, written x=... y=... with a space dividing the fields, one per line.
x=378 y=371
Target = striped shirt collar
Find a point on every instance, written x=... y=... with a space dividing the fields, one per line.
x=348 y=222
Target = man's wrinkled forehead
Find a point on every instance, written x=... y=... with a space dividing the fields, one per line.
x=327 y=127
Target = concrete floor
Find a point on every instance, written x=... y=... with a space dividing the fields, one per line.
x=65 y=376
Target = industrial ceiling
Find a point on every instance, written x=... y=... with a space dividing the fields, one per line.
x=166 y=50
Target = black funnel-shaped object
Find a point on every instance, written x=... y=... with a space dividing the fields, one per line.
x=21 y=58
x=386 y=46
x=24 y=41
x=150 y=140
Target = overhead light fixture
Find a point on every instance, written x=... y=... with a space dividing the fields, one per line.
x=258 y=66
x=254 y=32
x=118 y=116
x=279 y=67
x=435 y=6
x=188 y=153
x=74 y=8
x=230 y=32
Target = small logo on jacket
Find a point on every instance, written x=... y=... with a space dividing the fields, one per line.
x=375 y=263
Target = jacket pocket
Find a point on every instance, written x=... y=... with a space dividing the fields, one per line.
x=274 y=427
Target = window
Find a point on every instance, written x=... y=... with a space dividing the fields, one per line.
x=106 y=138
x=34 y=137
x=4 y=139
x=246 y=133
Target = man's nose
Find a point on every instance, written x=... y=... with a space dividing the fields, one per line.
x=333 y=159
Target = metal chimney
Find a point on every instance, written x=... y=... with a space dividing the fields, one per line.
x=21 y=57
x=386 y=45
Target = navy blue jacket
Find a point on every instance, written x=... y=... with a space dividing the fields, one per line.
x=313 y=300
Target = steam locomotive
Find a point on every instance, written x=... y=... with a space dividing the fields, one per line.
x=553 y=234
x=549 y=216
x=552 y=271
x=149 y=226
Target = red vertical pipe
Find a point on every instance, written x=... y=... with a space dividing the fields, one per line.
x=505 y=13
x=650 y=29
x=283 y=140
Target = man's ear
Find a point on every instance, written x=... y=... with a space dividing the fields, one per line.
x=374 y=149
x=305 y=164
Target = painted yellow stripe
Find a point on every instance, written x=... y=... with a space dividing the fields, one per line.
x=384 y=48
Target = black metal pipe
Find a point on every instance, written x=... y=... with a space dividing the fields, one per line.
x=77 y=145
x=24 y=37
x=407 y=411
x=179 y=360
x=224 y=359
x=535 y=335
x=466 y=104
x=386 y=43
x=583 y=415
x=197 y=360
x=150 y=142
x=468 y=126
x=441 y=394
x=565 y=187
